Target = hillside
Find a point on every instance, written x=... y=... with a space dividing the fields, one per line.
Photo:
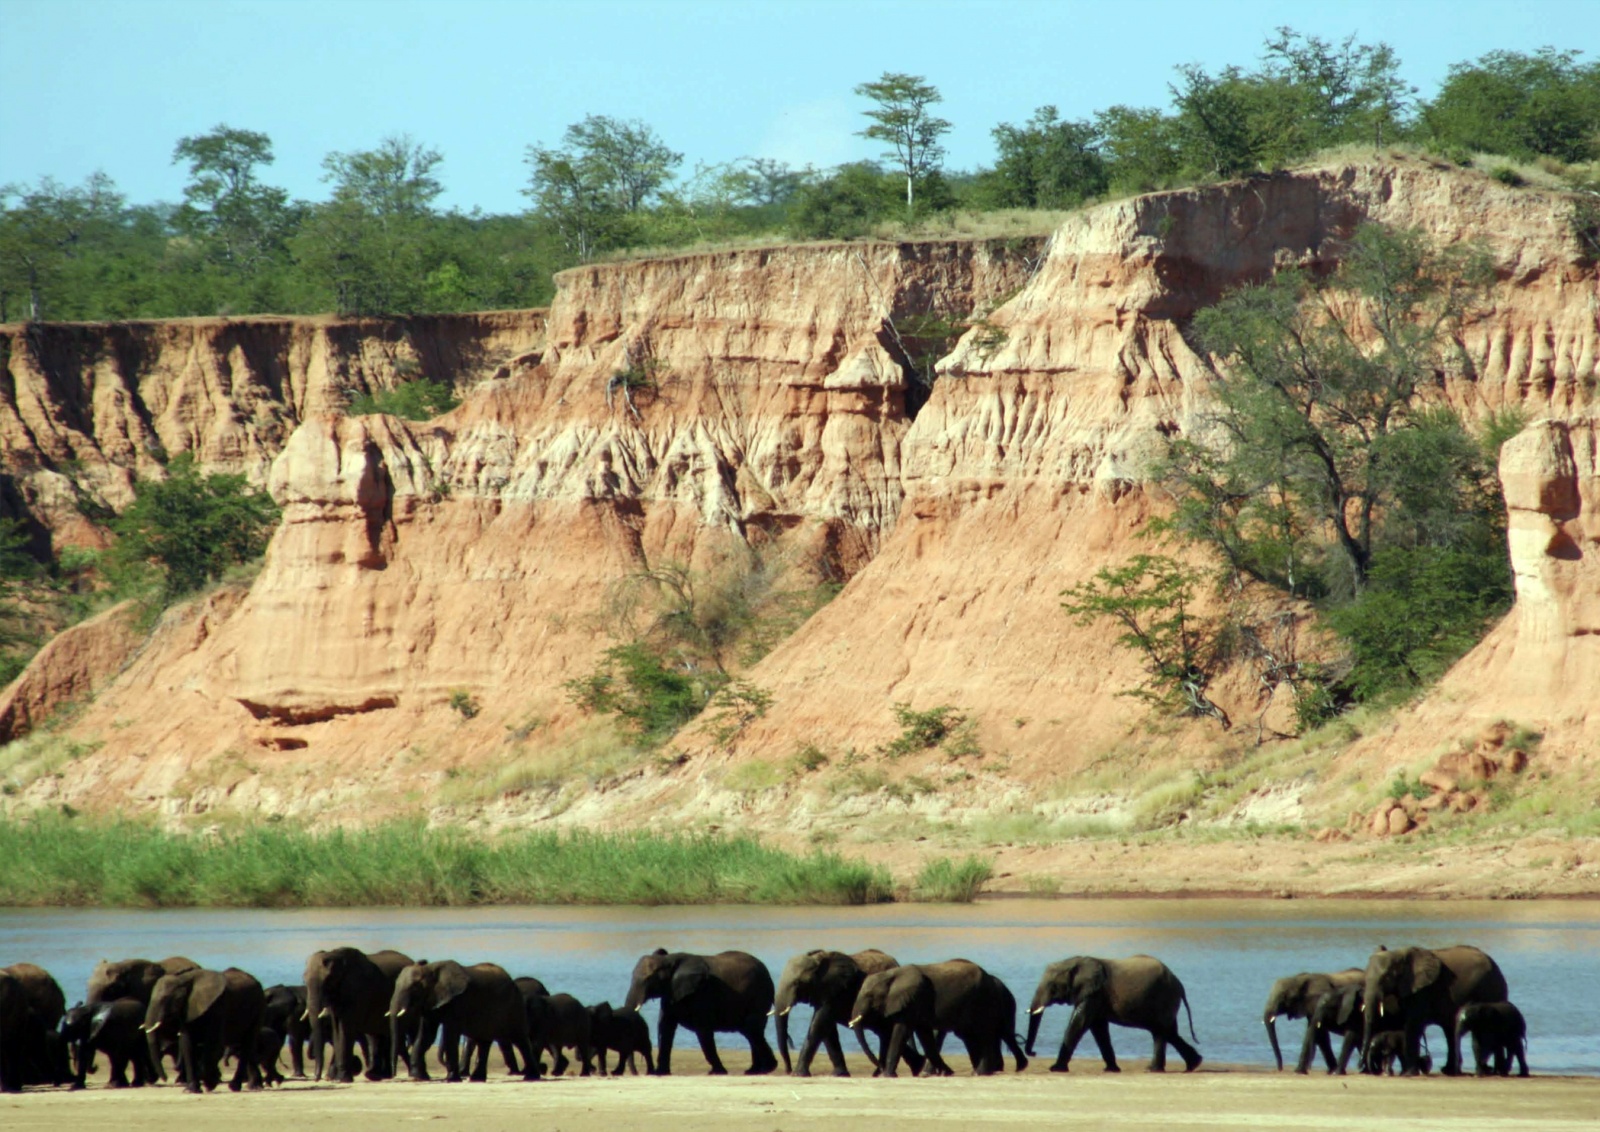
x=476 y=556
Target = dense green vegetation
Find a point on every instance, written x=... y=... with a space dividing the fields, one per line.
x=1326 y=469
x=62 y=861
x=379 y=244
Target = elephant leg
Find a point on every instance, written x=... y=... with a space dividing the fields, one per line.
x=1349 y=1046
x=1158 y=1059
x=1191 y=1056
x=1325 y=1044
x=762 y=1059
x=830 y=1041
x=1480 y=1056
x=932 y=1045
x=1017 y=1054
x=891 y=1050
x=666 y=1030
x=1076 y=1027
x=708 y=1047
x=186 y=1057
x=1452 y=1047
x=480 y=1072
x=914 y=1057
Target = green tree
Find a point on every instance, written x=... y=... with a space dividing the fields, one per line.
x=369 y=246
x=1046 y=163
x=1520 y=105
x=1140 y=148
x=1344 y=92
x=189 y=527
x=240 y=221
x=42 y=231
x=606 y=171
x=902 y=120
x=843 y=205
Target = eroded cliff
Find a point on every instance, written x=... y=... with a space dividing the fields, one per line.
x=679 y=409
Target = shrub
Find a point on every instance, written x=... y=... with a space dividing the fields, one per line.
x=419 y=400
x=921 y=730
x=464 y=702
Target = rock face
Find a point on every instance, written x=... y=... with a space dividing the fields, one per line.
x=685 y=409
x=88 y=407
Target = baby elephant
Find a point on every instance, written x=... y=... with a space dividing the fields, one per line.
x=111 y=1028
x=1387 y=1053
x=624 y=1032
x=1499 y=1034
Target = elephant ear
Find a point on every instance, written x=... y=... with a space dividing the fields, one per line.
x=204 y=990
x=1424 y=968
x=97 y=1021
x=691 y=975
x=903 y=991
x=1349 y=1005
x=1090 y=978
x=452 y=983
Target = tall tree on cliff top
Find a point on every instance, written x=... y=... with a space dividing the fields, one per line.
x=605 y=172
x=42 y=230
x=239 y=220
x=369 y=244
x=902 y=119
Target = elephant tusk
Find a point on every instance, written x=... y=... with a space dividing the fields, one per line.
x=773 y=1013
x=856 y=1021
x=1036 y=1010
x=326 y=1013
x=1272 y=1019
x=1383 y=1009
x=401 y=1013
x=784 y=1013
x=305 y=1016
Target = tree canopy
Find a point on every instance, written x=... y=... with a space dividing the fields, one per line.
x=901 y=119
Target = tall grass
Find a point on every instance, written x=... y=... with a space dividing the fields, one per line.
x=58 y=861
x=945 y=880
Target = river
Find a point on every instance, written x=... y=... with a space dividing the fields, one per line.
x=1227 y=952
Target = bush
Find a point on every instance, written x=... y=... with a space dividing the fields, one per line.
x=921 y=730
x=190 y=528
x=420 y=400
x=946 y=881
x=846 y=204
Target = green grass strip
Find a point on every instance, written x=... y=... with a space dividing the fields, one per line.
x=124 y=864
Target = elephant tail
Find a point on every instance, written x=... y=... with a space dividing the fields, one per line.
x=1190 y=1015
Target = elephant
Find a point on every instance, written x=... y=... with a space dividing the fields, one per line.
x=15 y=1018
x=1139 y=992
x=623 y=1032
x=557 y=1022
x=707 y=994
x=34 y=1051
x=351 y=990
x=934 y=999
x=828 y=981
x=1336 y=1012
x=1499 y=1035
x=132 y=978
x=286 y=1014
x=480 y=1003
x=212 y=1013
x=116 y=1030
x=1296 y=996
x=1427 y=988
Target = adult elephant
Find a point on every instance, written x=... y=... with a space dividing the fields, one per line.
x=43 y=1054
x=730 y=992
x=828 y=982
x=480 y=1003
x=212 y=1013
x=348 y=990
x=1499 y=1036
x=931 y=1000
x=1428 y=988
x=1138 y=992
x=132 y=978
x=1296 y=996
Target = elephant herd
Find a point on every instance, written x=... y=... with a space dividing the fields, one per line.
x=369 y=1013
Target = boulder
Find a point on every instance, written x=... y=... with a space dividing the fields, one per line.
x=1399 y=822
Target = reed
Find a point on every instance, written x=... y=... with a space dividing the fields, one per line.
x=61 y=861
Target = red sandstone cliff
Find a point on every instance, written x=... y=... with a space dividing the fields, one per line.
x=472 y=552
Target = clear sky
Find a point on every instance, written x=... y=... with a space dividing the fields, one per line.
x=113 y=84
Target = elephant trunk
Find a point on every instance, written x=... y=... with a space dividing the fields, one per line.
x=1035 y=1016
x=1370 y=1011
x=782 y=1003
x=313 y=1016
x=636 y=995
x=1270 y=1020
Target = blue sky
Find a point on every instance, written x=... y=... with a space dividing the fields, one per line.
x=113 y=84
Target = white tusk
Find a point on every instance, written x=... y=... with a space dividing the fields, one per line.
x=1037 y=1010
x=326 y=1013
x=401 y=1013
x=1382 y=1009
x=784 y=1013
x=856 y=1021
x=773 y=1012
x=1272 y=1020
x=305 y=1016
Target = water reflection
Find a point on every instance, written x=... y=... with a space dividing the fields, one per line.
x=1227 y=952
